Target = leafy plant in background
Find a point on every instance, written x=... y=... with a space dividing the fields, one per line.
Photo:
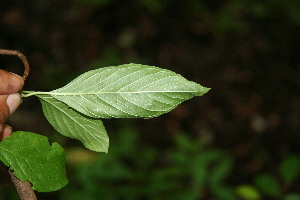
x=266 y=185
x=125 y=91
x=187 y=170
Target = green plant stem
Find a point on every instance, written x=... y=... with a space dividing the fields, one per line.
x=25 y=94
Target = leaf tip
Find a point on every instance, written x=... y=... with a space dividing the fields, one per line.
x=202 y=90
x=206 y=90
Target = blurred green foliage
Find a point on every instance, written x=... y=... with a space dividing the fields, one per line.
x=248 y=192
x=267 y=185
x=186 y=170
x=129 y=171
x=290 y=169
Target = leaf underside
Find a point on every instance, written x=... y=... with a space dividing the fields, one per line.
x=31 y=158
x=127 y=91
x=70 y=123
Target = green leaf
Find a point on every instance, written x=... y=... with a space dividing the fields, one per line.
x=31 y=158
x=223 y=192
x=290 y=168
x=268 y=185
x=70 y=123
x=292 y=197
x=127 y=91
x=222 y=168
x=248 y=192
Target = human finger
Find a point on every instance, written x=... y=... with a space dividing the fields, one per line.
x=6 y=132
x=8 y=104
x=13 y=101
x=10 y=83
x=4 y=110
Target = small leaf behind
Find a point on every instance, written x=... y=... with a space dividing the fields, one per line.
x=267 y=184
x=31 y=158
x=290 y=168
x=129 y=91
x=70 y=123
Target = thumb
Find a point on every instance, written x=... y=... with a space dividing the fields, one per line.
x=4 y=110
x=13 y=101
x=8 y=104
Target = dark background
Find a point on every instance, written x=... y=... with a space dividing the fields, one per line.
x=237 y=141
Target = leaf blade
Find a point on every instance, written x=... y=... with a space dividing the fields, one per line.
x=70 y=123
x=127 y=91
x=31 y=158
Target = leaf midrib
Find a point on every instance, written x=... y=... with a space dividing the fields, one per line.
x=32 y=93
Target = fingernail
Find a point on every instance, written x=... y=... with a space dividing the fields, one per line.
x=13 y=101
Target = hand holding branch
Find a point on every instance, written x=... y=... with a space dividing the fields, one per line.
x=10 y=99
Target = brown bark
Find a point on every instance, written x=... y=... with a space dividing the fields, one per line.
x=24 y=188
